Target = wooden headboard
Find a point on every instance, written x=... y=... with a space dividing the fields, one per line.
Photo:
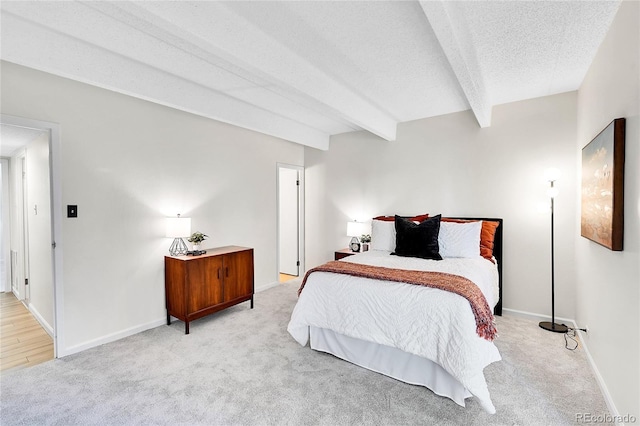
x=497 y=253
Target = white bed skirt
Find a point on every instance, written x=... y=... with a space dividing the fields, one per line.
x=392 y=362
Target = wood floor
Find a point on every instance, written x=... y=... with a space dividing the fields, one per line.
x=284 y=277
x=23 y=341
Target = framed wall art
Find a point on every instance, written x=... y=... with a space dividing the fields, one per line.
x=602 y=207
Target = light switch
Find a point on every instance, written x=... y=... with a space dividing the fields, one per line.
x=72 y=211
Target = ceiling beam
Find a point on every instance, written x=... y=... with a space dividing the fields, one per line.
x=30 y=38
x=40 y=48
x=240 y=47
x=457 y=45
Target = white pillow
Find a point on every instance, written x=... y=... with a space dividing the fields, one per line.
x=459 y=239
x=383 y=235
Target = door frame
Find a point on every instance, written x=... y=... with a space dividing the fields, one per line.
x=6 y=224
x=300 y=170
x=55 y=191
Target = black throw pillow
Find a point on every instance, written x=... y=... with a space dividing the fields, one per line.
x=418 y=240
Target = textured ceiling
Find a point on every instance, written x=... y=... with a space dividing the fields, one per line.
x=306 y=70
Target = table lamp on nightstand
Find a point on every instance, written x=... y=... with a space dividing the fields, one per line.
x=355 y=230
x=178 y=228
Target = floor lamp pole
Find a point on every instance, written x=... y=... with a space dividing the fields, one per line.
x=552 y=326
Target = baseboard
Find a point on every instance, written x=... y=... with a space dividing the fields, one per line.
x=537 y=317
x=267 y=286
x=615 y=415
x=131 y=331
x=48 y=328
x=603 y=386
x=112 y=337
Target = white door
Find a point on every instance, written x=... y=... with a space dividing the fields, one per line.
x=5 y=228
x=20 y=251
x=288 y=220
x=24 y=289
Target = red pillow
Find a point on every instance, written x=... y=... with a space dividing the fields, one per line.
x=487 y=235
x=419 y=218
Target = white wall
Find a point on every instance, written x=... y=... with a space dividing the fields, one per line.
x=128 y=164
x=608 y=282
x=449 y=165
x=39 y=230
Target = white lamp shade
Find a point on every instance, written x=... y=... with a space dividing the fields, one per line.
x=178 y=227
x=356 y=229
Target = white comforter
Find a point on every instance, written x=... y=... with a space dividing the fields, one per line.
x=431 y=323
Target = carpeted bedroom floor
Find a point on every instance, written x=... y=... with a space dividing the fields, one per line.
x=241 y=367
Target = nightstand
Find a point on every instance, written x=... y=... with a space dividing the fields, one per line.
x=346 y=252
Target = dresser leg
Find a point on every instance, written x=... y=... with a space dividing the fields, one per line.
x=186 y=327
x=168 y=318
x=251 y=302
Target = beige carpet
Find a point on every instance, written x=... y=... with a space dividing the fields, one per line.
x=241 y=366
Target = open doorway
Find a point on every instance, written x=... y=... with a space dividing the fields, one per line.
x=290 y=184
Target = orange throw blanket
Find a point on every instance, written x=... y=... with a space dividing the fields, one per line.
x=464 y=287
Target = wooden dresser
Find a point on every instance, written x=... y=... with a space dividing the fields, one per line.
x=196 y=286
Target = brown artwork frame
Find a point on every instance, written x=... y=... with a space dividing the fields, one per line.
x=602 y=187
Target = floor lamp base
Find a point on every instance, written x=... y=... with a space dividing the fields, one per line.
x=552 y=326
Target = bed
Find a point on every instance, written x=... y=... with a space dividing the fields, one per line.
x=417 y=334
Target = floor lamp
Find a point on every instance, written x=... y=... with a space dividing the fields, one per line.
x=552 y=176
